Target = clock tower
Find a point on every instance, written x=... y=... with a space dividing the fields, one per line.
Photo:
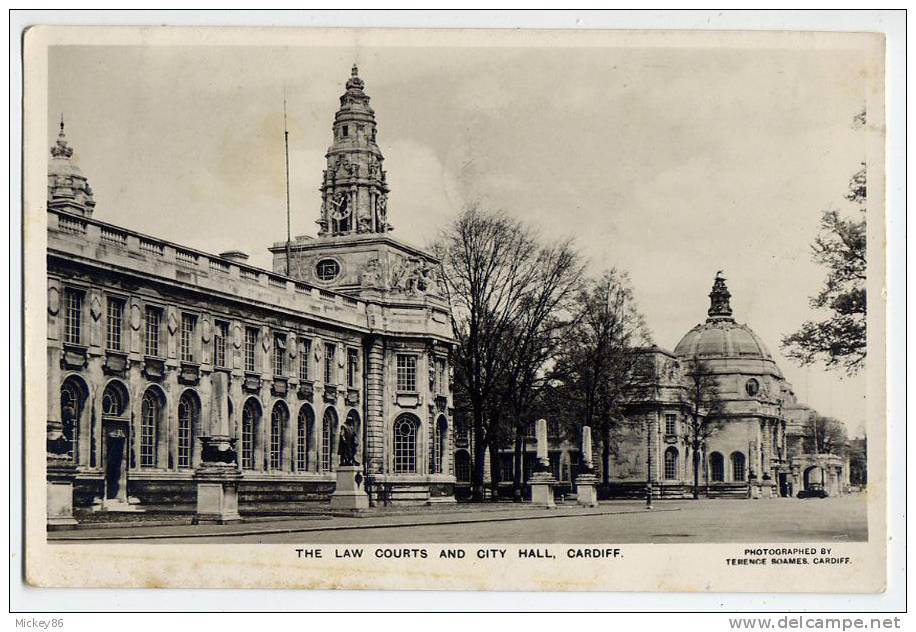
x=354 y=194
x=354 y=251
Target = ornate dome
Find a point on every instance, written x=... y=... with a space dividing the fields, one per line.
x=720 y=337
x=68 y=188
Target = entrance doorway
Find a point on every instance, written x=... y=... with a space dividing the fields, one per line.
x=114 y=457
x=785 y=486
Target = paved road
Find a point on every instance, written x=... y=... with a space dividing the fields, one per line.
x=774 y=520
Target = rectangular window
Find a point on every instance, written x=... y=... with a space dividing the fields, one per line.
x=153 y=322
x=440 y=375
x=302 y=440
x=407 y=372
x=279 y=354
x=670 y=424
x=305 y=351
x=188 y=326
x=352 y=368
x=251 y=343
x=185 y=414
x=115 y=322
x=330 y=350
x=73 y=311
x=276 y=443
x=219 y=343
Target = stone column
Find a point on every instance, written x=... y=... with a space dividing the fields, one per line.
x=375 y=409
x=652 y=455
x=218 y=474
x=586 y=494
x=542 y=481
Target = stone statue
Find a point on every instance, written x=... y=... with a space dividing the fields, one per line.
x=346 y=446
x=372 y=275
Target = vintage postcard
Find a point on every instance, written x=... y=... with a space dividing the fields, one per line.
x=455 y=309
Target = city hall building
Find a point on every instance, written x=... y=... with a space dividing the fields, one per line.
x=162 y=357
x=756 y=450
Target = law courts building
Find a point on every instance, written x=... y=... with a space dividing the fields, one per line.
x=162 y=357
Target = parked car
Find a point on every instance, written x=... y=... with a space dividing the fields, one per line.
x=815 y=490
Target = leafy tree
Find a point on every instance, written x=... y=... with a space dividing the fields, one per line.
x=704 y=407
x=838 y=339
x=825 y=435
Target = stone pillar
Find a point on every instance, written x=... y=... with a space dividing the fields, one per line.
x=586 y=494
x=542 y=481
x=60 y=476
x=652 y=466
x=374 y=449
x=218 y=474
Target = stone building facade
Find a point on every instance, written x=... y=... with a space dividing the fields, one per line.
x=155 y=348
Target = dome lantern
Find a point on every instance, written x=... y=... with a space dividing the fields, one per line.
x=719 y=306
x=68 y=189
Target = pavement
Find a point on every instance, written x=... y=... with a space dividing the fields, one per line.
x=688 y=521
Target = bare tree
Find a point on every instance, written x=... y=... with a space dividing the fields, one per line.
x=535 y=337
x=503 y=288
x=599 y=361
x=704 y=411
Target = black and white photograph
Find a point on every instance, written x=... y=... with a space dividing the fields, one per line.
x=401 y=300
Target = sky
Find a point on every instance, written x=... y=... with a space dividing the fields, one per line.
x=668 y=163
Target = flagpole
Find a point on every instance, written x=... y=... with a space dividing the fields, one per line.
x=286 y=154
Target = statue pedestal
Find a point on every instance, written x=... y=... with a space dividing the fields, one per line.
x=350 y=493
x=217 y=482
x=60 y=474
x=542 y=490
x=60 y=496
x=586 y=494
x=754 y=487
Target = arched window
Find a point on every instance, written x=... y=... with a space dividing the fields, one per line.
x=114 y=400
x=72 y=403
x=279 y=418
x=251 y=417
x=671 y=463
x=717 y=467
x=150 y=419
x=463 y=466
x=737 y=466
x=304 y=438
x=328 y=434
x=405 y=444
x=188 y=420
x=438 y=449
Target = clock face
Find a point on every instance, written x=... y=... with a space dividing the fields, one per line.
x=752 y=387
x=327 y=269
